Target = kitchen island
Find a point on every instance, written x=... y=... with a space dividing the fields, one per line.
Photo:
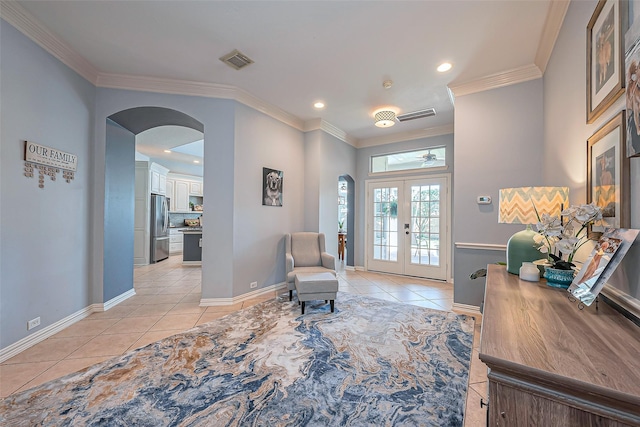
x=192 y=246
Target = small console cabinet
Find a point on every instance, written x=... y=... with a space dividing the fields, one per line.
x=552 y=364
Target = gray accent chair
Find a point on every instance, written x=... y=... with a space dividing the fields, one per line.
x=305 y=252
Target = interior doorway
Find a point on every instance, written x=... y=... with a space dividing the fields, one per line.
x=346 y=217
x=408 y=227
x=119 y=203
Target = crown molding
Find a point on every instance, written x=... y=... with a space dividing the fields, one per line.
x=320 y=124
x=494 y=81
x=27 y=24
x=168 y=86
x=193 y=88
x=406 y=136
x=249 y=100
x=553 y=24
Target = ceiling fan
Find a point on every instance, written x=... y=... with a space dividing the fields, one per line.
x=428 y=158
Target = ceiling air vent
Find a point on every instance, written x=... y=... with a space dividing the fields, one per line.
x=236 y=60
x=416 y=115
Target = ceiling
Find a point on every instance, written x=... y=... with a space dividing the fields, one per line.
x=339 y=52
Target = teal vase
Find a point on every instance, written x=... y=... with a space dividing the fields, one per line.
x=558 y=278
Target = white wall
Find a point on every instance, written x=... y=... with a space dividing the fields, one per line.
x=258 y=250
x=499 y=144
x=44 y=244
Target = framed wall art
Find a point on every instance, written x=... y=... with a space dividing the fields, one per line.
x=608 y=175
x=632 y=79
x=271 y=187
x=605 y=57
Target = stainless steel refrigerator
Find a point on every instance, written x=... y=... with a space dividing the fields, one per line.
x=159 y=228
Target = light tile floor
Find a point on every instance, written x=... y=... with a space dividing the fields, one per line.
x=167 y=302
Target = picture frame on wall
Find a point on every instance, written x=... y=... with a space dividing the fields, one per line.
x=272 y=180
x=608 y=175
x=632 y=79
x=605 y=57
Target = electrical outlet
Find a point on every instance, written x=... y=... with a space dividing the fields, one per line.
x=33 y=323
x=254 y=285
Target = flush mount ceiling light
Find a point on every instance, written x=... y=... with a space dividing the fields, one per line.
x=385 y=118
x=445 y=66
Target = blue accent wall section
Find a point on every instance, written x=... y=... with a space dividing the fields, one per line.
x=119 y=209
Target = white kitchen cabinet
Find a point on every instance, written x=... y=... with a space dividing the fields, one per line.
x=175 y=241
x=163 y=184
x=158 y=178
x=170 y=193
x=195 y=188
x=181 y=196
x=180 y=187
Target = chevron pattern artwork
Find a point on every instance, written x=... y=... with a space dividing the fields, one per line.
x=516 y=204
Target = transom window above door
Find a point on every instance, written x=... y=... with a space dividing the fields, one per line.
x=426 y=158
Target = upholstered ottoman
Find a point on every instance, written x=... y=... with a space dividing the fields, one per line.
x=314 y=286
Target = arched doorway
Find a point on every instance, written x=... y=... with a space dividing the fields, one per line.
x=119 y=202
x=346 y=215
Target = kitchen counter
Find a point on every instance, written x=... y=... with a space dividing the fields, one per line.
x=191 y=230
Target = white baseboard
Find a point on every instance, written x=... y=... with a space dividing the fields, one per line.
x=359 y=268
x=117 y=300
x=33 y=339
x=37 y=337
x=212 y=302
x=473 y=310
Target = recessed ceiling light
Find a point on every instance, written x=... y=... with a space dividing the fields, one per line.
x=167 y=151
x=319 y=105
x=445 y=66
x=196 y=161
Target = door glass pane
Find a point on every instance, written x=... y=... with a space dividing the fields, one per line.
x=425 y=224
x=385 y=220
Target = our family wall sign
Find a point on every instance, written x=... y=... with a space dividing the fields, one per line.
x=48 y=161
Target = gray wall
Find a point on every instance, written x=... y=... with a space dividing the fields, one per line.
x=362 y=175
x=499 y=144
x=217 y=115
x=566 y=131
x=326 y=158
x=119 y=210
x=336 y=158
x=312 y=167
x=44 y=243
x=258 y=249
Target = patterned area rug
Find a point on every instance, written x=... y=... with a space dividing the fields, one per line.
x=371 y=363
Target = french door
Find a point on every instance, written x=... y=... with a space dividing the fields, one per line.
x=407 y=227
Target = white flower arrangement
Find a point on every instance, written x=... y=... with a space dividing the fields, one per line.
x=563 y=236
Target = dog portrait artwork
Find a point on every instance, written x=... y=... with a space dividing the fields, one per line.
x=271 y=187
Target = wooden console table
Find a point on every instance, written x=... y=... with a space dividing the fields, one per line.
x=551 y=364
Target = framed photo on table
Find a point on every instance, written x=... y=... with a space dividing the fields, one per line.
x=608 y=175
x=605 y=57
